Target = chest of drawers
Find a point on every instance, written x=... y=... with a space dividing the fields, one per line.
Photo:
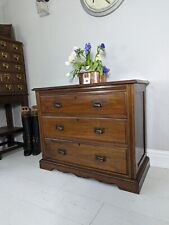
x=12 y=68
x=13 y=90
x=96 y=131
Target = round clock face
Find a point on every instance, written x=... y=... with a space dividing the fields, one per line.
x=100 y=7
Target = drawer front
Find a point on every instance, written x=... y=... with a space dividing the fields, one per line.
x=5 y=56
x=15 y=47
x=109 y=130
x=4 y=45
x=8 y=78
x=13 y=89
x=17 y=58
x=105 y=104
x=98 y=157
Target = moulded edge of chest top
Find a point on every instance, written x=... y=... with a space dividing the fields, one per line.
x=93 y=86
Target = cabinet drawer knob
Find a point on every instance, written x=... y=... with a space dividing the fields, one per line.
x=8 y=87
x=59 y=127
x=5 y=65
x=99 y=130
x=18 y=67
x=19 y=77
x=15 y=47
x=4 y=55
x=97 y=104
x=7 y=76
x=100 y=158
x=62 y=151
x=58 y=105
x=3 y=43
x=19 y=87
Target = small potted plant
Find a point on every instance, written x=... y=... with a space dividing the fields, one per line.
x=87 y=69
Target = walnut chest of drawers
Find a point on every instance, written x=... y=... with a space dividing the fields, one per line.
x=96 y=131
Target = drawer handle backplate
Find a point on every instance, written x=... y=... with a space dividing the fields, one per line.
x=97 y=104
x=58 y=105
x=62 y=151
x=60 y=127
x=3 y=43
x=100 y=158
x=4 y=55
x=99 y=130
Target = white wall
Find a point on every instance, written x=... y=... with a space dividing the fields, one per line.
x=137 y=42
x=2 y=3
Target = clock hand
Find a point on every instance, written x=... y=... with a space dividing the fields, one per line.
x=107 y=1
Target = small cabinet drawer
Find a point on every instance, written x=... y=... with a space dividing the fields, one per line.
x=109 y=130
x=5 y=56
x=18 y=68
x=16 y=58
x=19 y=78
x=5 y=78
x=4 y=45
x=99 y=157
x=15 y=47
x=5 y=66
x=106 y=104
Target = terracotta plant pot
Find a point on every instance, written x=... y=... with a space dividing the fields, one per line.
x=91 y=78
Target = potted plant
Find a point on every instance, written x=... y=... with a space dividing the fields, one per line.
x=88 y=69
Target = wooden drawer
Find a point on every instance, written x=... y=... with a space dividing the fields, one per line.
x=13 y=89
x=5 y=56
x=105 y=104
x=4 y=45
x=94 y=156
x=15 y=47
x=12 y=78
x=17 y=58
x=102 y=129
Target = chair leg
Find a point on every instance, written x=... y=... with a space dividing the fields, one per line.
x=27 y=130
x=36 y=149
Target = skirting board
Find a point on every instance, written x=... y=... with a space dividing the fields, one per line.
x=158 y=158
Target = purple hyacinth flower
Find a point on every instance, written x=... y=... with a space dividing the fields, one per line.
x=87 y=48
x=102 y=46
x=105 y=69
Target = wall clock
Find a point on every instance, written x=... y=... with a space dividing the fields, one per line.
x=100 y=7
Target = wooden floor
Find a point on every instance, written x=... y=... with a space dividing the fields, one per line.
x=32 y=196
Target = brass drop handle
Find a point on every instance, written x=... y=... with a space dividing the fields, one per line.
x=19 y=77
x=15 y=47
x=58 y=105
x=4 y=54
x=99 y=130
x=7 y=76
x=17 y=67
x=8 y=87
x=3 y=43
x=5 y=65
x=62 y=151
x=59 y=127
x=16 y=57
x=19 y=87
x=97 y=104
x=100 y=158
